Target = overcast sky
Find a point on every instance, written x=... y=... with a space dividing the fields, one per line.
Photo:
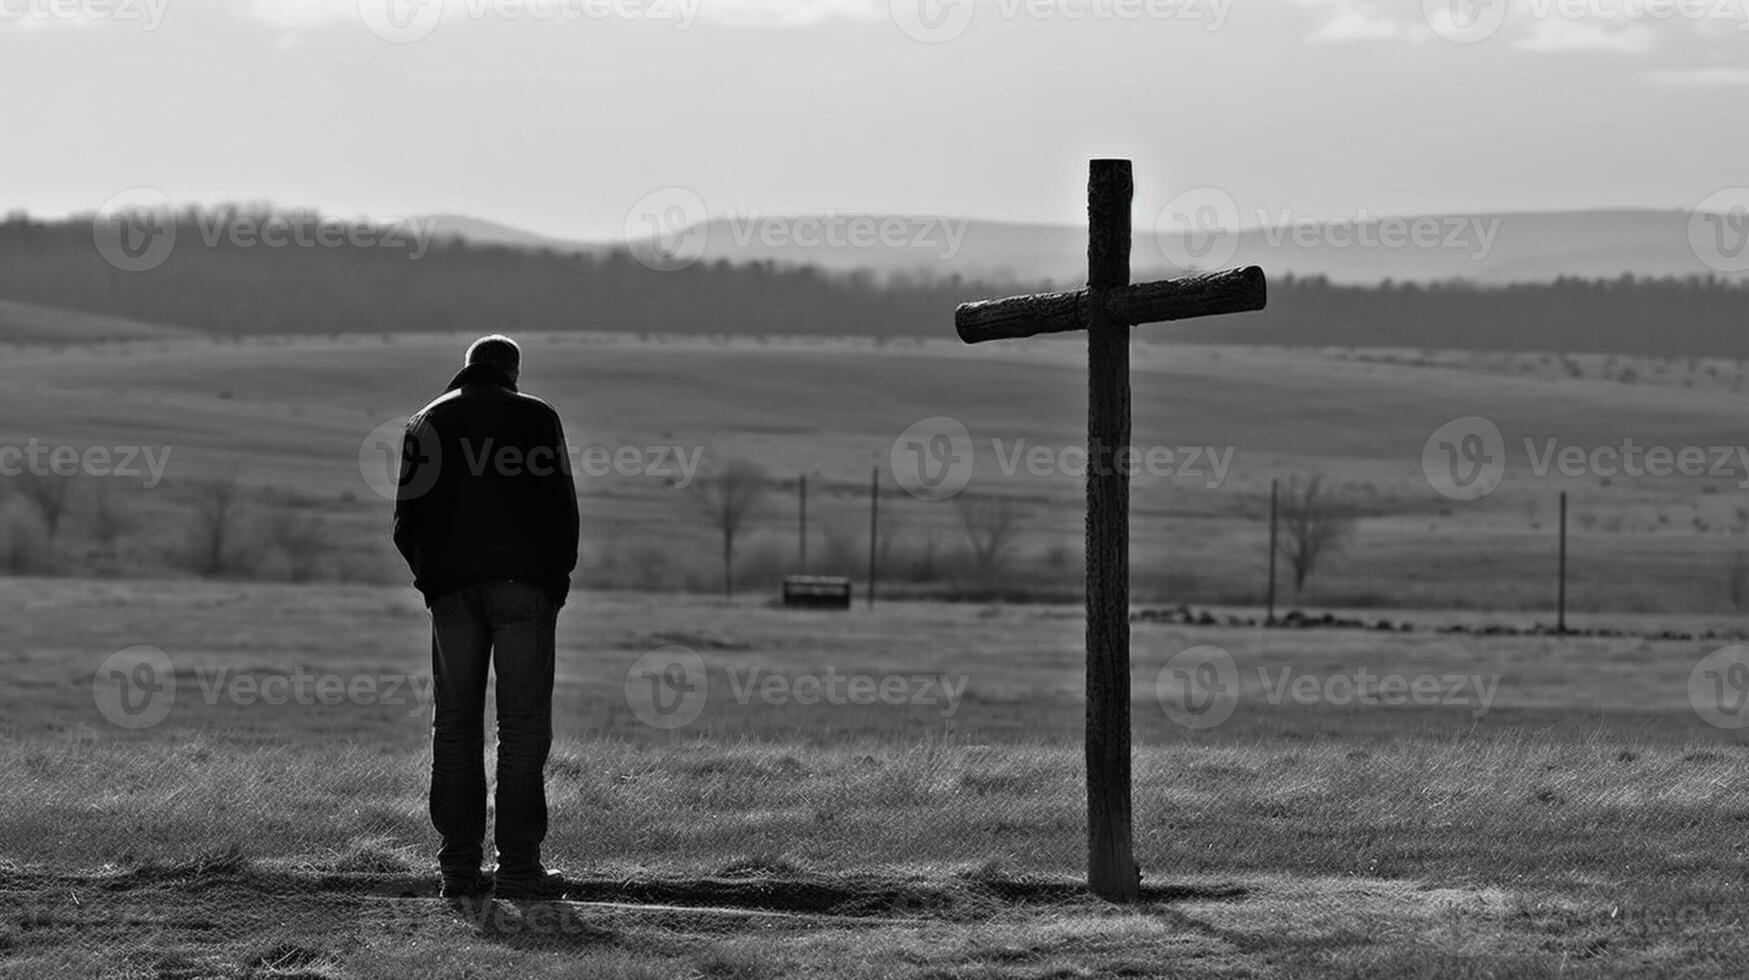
x=560 y=115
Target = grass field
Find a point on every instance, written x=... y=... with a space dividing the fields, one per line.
x=292 y=417
x=1587 y=823
x=895 y=791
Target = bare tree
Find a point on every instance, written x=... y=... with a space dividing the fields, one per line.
x=215 y=512
x=50 y=492
x=990 y=523
x=296 y=535
x=109 y=519
x=728 y=496
x=1313 y=526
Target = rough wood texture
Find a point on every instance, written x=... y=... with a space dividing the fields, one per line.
x=1111 y=866
x=1107 y=309
x=1206 y=294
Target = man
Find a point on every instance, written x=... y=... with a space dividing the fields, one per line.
x=486 y=517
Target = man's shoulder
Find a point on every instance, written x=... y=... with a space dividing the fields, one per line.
x=436 y=406
x=537 y=405
x=460 y=401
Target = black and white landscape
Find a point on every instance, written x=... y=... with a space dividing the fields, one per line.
x=1066 y=488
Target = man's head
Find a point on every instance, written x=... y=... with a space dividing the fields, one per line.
x=497 y=351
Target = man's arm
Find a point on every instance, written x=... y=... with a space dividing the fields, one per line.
x=418 y=474
x=561 y=507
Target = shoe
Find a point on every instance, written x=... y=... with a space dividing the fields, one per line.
x=476 y=885
x=542 y=886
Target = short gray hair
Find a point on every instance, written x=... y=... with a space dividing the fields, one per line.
x=498 y=351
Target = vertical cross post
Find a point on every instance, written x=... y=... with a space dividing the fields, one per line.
x=1107 y=309
x=1274 y=484
x=1561 y=589
x=874 y=530
x=1111 y=866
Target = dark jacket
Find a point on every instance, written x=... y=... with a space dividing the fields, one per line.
x=486 y=492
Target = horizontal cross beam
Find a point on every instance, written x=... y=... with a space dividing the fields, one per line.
x=1207 y=294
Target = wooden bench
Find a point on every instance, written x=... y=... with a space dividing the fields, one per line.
x=816 y=592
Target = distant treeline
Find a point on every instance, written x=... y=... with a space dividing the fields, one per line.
x=214 y=284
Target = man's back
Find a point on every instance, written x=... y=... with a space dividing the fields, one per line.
x=486 y=516
x=486 y=490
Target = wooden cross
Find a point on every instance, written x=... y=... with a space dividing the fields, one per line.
x=1107 y=309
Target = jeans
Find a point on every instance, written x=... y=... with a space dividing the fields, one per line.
x=510 y=625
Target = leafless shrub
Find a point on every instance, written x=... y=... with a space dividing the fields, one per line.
x=110 y=520
x=50 y=493
x=1313 y=527
x=727 y=496
x=216 y=507
x=292 y=539
x=990 y=523
x=24 y=538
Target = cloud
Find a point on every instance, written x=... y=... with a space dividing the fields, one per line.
x=1350 y=20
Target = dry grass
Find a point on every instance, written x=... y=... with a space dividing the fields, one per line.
x=208 y=858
